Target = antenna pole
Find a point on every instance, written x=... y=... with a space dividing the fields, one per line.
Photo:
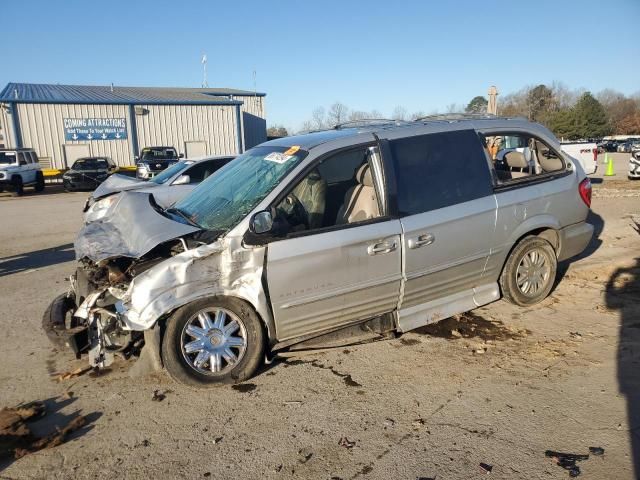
x=205 y=84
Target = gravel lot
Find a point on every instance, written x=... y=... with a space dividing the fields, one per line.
x=499 y=385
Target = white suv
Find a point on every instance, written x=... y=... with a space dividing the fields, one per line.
x=19 y=168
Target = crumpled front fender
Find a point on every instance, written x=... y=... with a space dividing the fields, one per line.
x=221 y=268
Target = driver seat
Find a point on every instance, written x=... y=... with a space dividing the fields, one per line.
x=360 y=201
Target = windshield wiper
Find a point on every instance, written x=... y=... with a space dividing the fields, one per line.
x=181 y=214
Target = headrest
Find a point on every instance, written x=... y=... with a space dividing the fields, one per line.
x=363 y=175
x=515 y=159
x=314 y=175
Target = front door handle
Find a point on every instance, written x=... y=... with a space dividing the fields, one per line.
x=382 y=247
x=422 y=240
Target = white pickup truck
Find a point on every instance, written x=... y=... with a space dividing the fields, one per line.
x=585 y=152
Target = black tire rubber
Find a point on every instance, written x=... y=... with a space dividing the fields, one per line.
x=39 y=182
x=18 y=187
x=179 y=369
x=53 y=320
x=508 y=285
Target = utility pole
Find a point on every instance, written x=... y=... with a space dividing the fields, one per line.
x=492 y=107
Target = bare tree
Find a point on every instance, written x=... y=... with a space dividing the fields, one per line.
x=418 y=114
x=399 y=113
x=318 y=118
x=338 y=113
x=355 y=115
x=454 y=108
x=564 y=97
x=307 y=126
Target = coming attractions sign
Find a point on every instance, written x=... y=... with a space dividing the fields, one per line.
x=95 y=129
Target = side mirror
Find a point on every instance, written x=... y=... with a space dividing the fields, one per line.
x=182 y=180
x=181 y=155
x=136 y=158
x=261 y=222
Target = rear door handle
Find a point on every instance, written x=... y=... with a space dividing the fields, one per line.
x=422 y=240
x=382 y=247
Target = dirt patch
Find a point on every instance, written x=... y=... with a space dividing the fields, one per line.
x=470 y=325
x=244 y=387
x=17 y=439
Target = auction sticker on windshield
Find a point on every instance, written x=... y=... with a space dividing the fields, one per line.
x=281 y=158
x=278 y=157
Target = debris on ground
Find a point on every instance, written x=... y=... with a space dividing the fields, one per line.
x=486 y=468
x=470 y=325
x=346 y=443
x=597 y=451
x=244 y=387
x=305 y=455
x=75 y=373
x=567 y=461
x=16 y=438
x=159 y=395
x=418 y=423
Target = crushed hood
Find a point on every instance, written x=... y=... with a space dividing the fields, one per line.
x=131 y=229
x=119 y=183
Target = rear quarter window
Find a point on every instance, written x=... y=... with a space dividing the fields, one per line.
x=439 y=170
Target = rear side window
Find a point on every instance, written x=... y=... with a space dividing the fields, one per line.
x=438 y=170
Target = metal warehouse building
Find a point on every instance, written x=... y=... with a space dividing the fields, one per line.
x=66 y=122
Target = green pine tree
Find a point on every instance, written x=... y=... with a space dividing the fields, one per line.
x=590 y=118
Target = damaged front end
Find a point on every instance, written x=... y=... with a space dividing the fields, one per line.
x=135 y=237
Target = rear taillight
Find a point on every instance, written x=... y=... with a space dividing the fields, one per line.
x=585 y=191
x=595 y=154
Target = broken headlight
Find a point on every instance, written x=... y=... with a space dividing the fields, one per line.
x=99 y=209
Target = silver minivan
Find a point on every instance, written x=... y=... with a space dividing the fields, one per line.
x=306 y=240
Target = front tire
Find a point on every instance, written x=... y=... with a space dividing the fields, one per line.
x=529 y=273
x=18 y=187
x=39 y=182
x=212 y=341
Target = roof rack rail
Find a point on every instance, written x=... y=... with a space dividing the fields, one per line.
x=458 y=116
x=369 y=122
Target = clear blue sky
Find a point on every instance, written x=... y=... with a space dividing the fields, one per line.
x=367 y=54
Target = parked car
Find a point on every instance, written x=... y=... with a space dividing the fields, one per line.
x=634 y=164
x=327 y=235
x=88 y=173
x=19 y=168
x=153 y=160
x=624 y=147
x=167 y=187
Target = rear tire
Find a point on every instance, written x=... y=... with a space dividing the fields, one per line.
x=197 y=351
x=18 y=187
x=39 y=182
x=529 y=273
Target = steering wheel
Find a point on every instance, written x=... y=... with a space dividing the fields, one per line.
x=294 y=212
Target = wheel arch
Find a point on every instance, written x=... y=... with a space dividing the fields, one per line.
x=543 y=226
x=160 y=321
